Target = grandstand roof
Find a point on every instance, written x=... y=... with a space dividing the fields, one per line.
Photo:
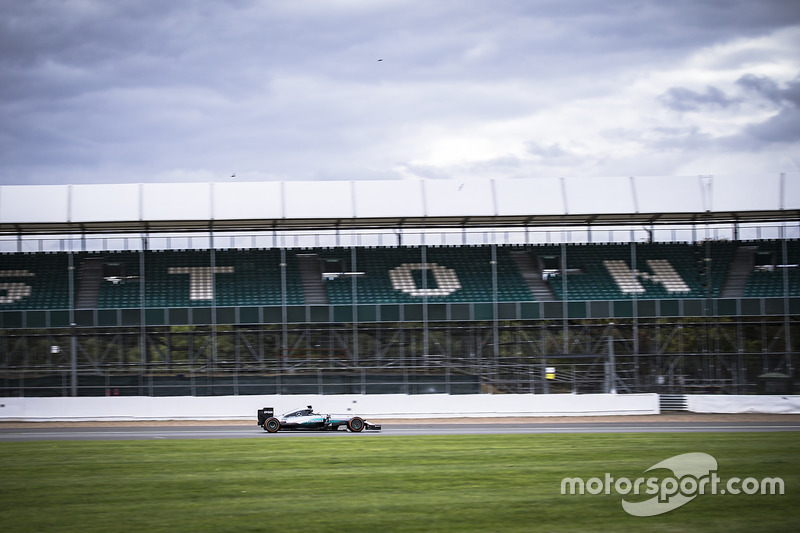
x=174 y=207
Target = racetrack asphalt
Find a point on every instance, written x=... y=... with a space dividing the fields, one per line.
x=144 y=430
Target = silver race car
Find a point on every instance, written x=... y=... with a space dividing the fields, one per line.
x=307 y=419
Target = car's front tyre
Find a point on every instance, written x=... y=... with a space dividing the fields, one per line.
x=355 y=424
x=272 y=425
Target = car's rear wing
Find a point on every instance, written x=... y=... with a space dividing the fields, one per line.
x=264 y=414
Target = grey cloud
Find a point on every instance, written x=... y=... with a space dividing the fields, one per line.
x=684 y=139
x=781 y=128
x=792 y=92
x=784 y=126
x=762 y=86
x=546 y=151
x=122 y=90
x=683 y=99
x=769 y=89
x=552 y=155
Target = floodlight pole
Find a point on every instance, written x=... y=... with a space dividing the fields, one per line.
x=425 y=333
x=565 y=302
x=354 y=294
x=284 y=312
x=213 y=263
x=495 y=308
x=73 y=343
x=143 y=360
x=634 y=268
x=786 y=308
x=611 y=374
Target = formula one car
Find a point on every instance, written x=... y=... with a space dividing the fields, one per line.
x=307 y=419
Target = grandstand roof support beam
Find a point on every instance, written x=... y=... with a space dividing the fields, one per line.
x=284 y=312
x=212 y=258
x=565 y=302
x=495 y=307
x=195 y=226
x=73 y=341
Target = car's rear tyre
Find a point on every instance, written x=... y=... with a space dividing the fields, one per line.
x=272 y=425
x=355 y=424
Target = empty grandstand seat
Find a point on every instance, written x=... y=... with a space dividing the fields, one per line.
x=394 y=275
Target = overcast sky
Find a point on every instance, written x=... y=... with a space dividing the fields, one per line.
x=99 y=91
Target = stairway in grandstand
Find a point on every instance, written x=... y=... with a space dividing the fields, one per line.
x=739 y=271
x=772 y=270
x=533 y=276
x=89 y=281
x=314 y=291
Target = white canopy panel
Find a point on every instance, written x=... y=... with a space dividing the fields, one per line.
x=530 y=196
x=264 y=200
x=608 y=195
x=175 y=201
x=453 y=198
x=680 y=194
x=392 y=199
x=406 y=203
x=21 y=204
x=119 y=202
x=759 y=193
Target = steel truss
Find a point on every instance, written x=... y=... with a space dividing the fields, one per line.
x=657 y=355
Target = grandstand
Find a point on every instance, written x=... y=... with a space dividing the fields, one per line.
x=461 y=290
x=393 y=276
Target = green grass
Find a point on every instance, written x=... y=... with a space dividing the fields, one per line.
x=380 y=483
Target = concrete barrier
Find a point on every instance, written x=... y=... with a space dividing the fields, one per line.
x=713 y=403
x=383 y=406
